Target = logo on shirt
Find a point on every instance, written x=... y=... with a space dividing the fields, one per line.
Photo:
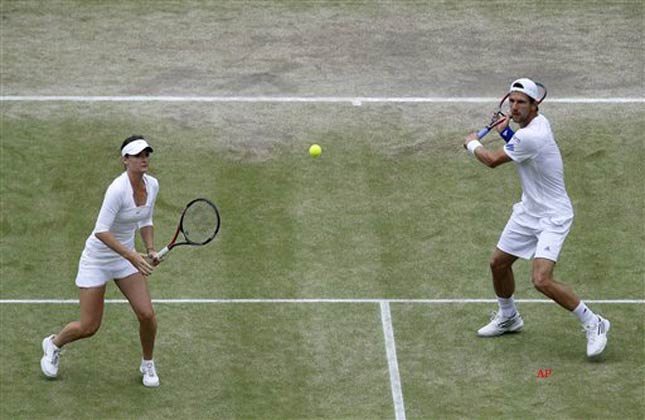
x=510 y=147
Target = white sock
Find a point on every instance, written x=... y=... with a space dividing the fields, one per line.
x=507 y=306
x=584 y=314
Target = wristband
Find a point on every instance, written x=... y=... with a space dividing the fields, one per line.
x=507 y=134
x=473 y=145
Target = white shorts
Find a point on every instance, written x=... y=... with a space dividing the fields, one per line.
x=96 y=272
x=527 y=236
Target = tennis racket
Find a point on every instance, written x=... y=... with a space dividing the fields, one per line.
x=504 y=110
x=198 y=224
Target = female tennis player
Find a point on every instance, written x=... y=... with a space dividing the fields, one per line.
x=109 y=254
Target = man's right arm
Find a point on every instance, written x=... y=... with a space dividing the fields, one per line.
x=489 y=158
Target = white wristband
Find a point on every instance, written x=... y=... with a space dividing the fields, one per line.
x=473 y=145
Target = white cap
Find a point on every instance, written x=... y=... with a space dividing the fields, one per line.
x=527 y=87
x=135 y=147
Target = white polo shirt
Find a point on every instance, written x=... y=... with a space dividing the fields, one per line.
x=121 y=216
x=539 y=164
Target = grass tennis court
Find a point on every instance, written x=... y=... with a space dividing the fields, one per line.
x=393 y=209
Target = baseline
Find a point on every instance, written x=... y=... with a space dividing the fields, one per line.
x=354 y=100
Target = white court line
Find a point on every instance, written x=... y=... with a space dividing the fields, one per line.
x=392 y=361
x=408 y=301
x=354 y=100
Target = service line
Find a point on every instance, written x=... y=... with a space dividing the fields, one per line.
x=353 y=100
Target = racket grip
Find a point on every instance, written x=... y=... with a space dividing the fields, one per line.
x=482 y=133
x=163 y=252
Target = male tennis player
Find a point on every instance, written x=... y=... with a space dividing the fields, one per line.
x=109 y=254
x=540 y=221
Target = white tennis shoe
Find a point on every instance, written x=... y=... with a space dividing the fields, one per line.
x=500 y=325
x=597 y=336
x=51 y=354
x=150 y=378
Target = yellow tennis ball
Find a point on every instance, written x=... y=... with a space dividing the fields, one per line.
x=315 y=150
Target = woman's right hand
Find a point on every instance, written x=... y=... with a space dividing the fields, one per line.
x=139 y=262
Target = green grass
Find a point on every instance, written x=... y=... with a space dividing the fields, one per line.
x=326 y=360
x=454 y=374
x=394 y=211
x=258 y=360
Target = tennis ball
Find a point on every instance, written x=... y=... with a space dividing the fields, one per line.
x=315 y=150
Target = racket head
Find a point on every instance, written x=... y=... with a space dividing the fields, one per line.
x=200 y=222
x=503 y=109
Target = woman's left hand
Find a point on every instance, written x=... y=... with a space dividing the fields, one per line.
x=153 y=257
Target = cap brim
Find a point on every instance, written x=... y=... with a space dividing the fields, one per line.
x=136 y=147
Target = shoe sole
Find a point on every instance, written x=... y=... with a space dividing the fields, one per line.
x=151 y=386
x=602 y=350
x=510 y=331
x=47 y=374
x=42 y=362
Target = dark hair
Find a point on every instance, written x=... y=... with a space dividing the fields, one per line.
x=131 y=139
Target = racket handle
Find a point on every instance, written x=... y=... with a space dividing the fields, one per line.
x=163 y=252
x=482 y=133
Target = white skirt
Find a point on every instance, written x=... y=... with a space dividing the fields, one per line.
x=96 y=272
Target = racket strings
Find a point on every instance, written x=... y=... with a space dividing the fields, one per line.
x=200 y=222
x=503 y=111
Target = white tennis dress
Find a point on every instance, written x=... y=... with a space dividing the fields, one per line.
x=541 y=221
x=122 y=217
